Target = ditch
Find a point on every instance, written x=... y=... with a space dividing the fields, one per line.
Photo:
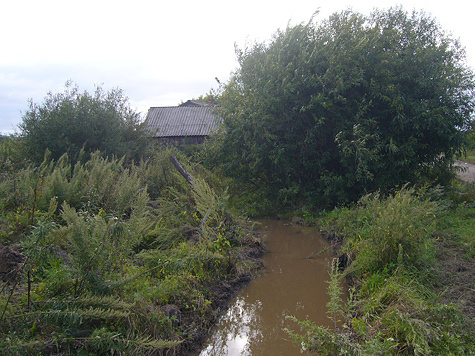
x=293 y=282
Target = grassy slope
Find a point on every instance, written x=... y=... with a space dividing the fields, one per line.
x=411 y=266
x=103 y=257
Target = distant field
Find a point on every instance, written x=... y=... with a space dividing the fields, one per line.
x=469 y=157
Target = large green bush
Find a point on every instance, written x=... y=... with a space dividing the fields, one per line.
x=328 y=111
x=72 y=121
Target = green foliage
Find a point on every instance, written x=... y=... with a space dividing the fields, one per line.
x=12 y=154
x=459 y=221
x=158 y=172
x=326 y=112
x=105 y=263
x=391 y=232
x=72 y=121
x=394 y=320
x=335 y=291
x=321 y=340
x=393 y=308
x=100 y=184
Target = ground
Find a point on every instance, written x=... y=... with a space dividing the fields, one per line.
x=456 y=268
x=10 y=261
x=467 y=172
x=456 y=271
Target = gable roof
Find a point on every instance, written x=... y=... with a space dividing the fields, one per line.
x=181 y=121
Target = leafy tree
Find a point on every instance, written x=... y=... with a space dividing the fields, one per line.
x=70 y=121
x=328 y=111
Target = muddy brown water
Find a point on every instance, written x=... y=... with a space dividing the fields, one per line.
x=292 y=283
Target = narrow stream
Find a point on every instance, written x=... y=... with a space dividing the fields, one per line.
x=292 y=283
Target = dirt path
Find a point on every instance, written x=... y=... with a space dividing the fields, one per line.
x=457 y=273
x=457 y=268
x=467 y=172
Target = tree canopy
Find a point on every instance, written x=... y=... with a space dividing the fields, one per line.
x=70 y=121
x=327 y=111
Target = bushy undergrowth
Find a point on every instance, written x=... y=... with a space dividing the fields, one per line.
x=393 y=307
x=105 y=258
x=383 y=233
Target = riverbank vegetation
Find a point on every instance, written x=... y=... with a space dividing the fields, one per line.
x=364 y=114
x=357 y=116
x=408 y=258
x=104 y=255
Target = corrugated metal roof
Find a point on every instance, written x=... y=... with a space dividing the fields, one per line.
x=176 y=121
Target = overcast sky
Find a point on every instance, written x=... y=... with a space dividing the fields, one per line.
x=159 y=52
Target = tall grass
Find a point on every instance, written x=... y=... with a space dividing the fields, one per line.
x=391 y=232
x=116 y=258
x=393 y=310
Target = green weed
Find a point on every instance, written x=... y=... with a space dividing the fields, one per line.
x=105 y=260
x=393 y=308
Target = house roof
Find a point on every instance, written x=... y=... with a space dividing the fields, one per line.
x=179 y=121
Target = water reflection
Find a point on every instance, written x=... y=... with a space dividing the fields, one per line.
x=238 y=329
x=291 y=284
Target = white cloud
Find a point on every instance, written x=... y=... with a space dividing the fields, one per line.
x=159 y=53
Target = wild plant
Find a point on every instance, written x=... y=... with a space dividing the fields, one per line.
x=383 y=227
x=324 y=340
x=335 y=292
x=158 y=173
x=105 y=261
x=386 y=316
x=391 y=311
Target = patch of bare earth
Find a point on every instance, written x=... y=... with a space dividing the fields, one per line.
x=455 y=268
x=466 y=171
x=457 y=276
x=10 y=262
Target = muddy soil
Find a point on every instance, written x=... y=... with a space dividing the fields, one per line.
x=10 y=262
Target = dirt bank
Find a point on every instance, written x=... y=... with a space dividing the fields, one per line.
x=222 y=293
